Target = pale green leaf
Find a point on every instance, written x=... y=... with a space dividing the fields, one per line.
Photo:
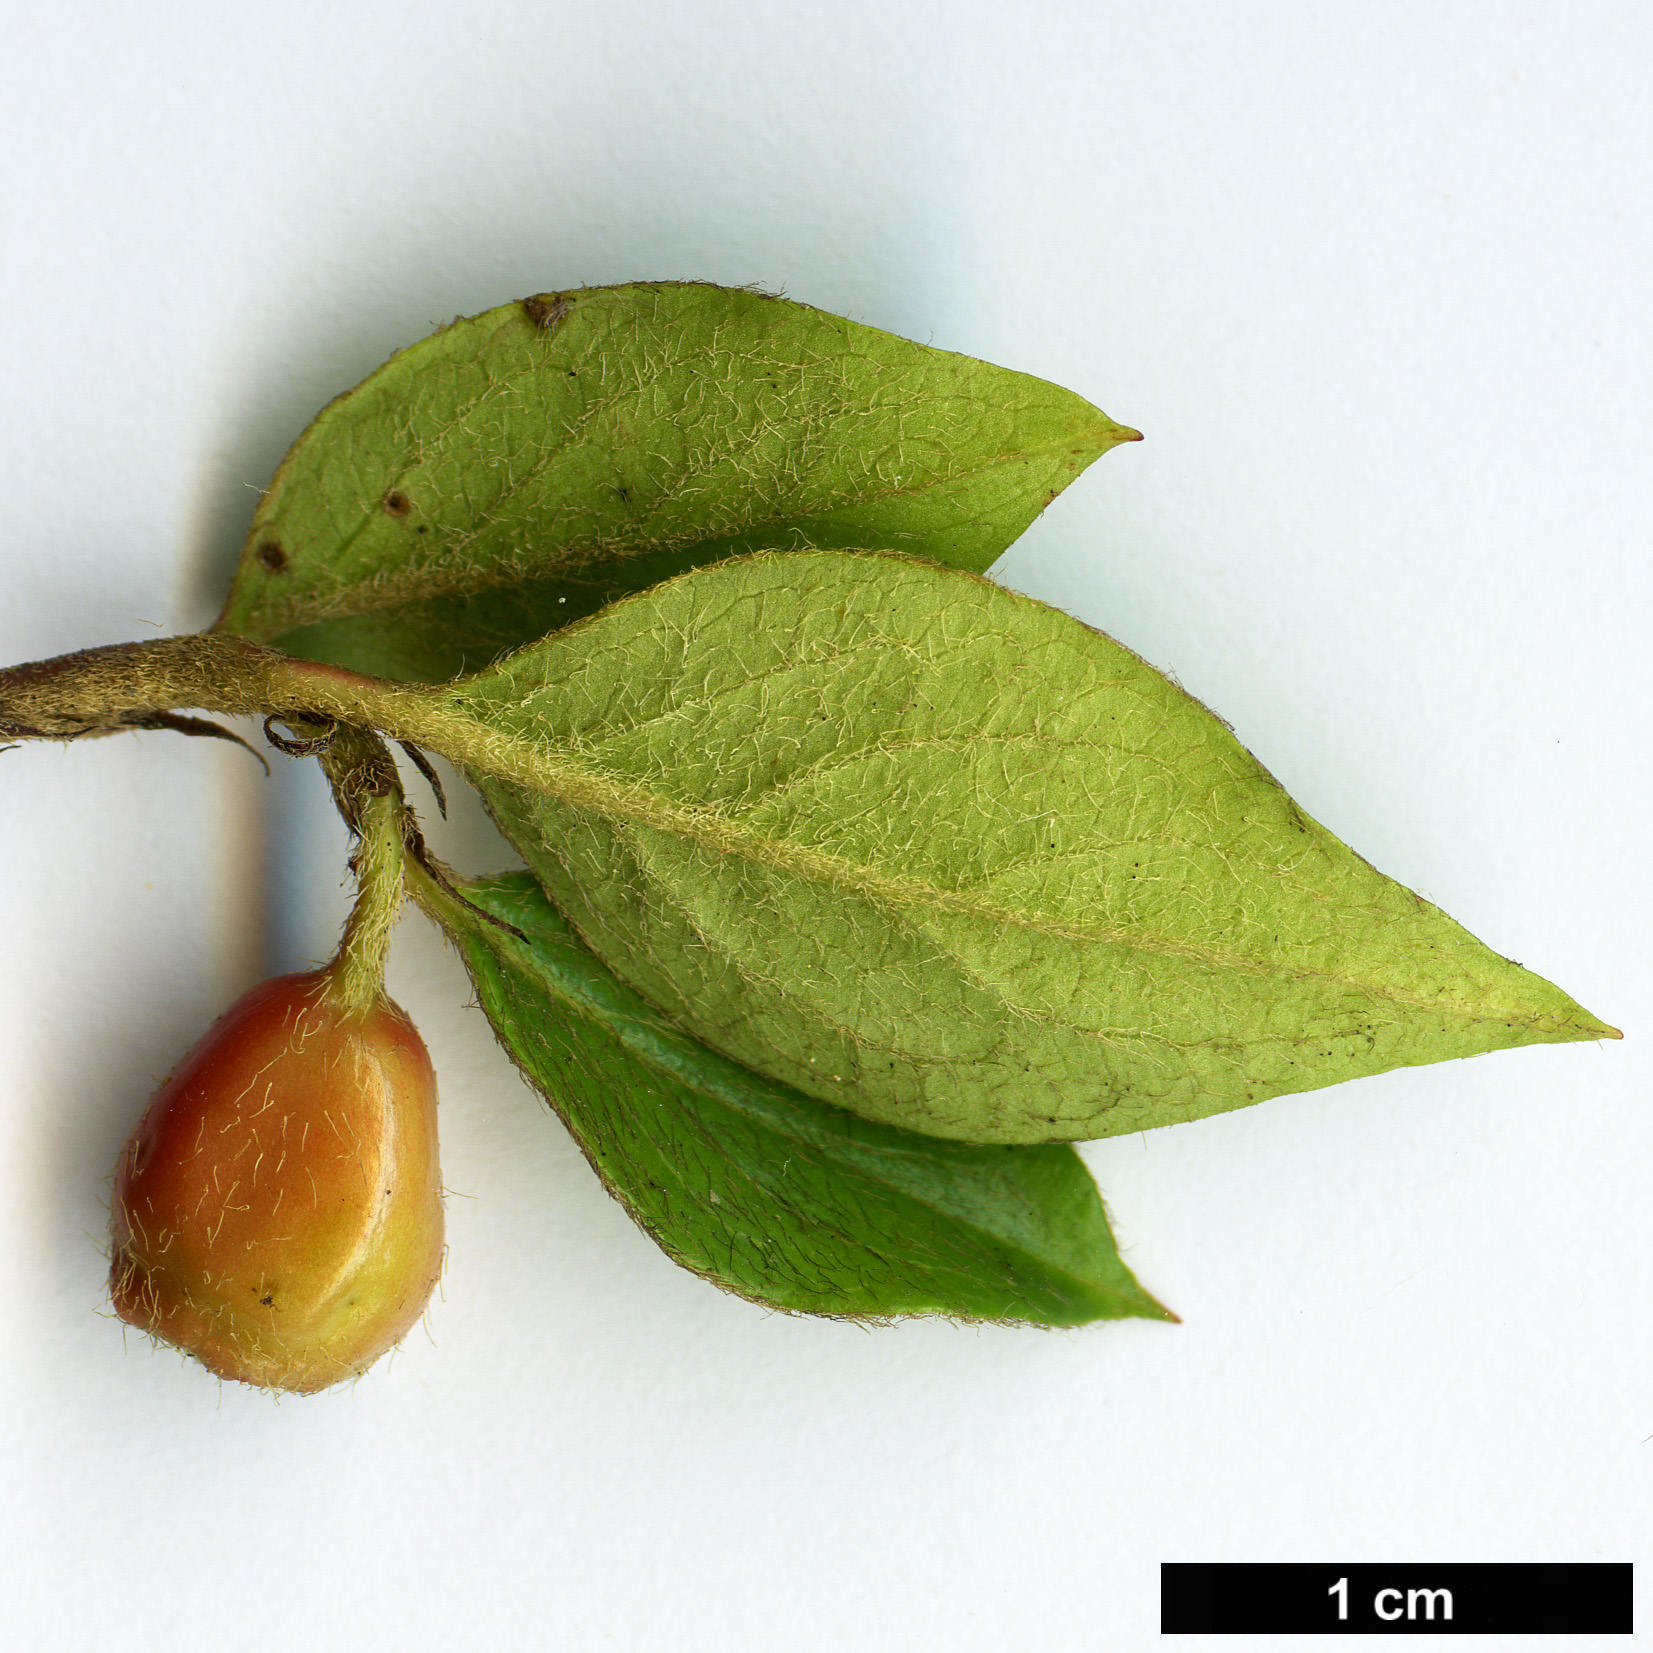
x=766 y=1192
x=946 y=857
x=524 y=467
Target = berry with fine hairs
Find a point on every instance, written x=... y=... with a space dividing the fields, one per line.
x=278 y=1211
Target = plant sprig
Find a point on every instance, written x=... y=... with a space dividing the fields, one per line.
x=857 y=885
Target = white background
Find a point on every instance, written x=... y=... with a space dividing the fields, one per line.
x=1374 y=280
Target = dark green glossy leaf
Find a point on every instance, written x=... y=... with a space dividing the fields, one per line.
x=524 y=467
x=766 y=1192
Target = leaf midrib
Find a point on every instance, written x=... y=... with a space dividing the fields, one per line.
x=542 y=768
x=401 y=589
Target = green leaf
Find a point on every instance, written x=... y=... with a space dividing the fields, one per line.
x=765 y=1192
x=940 y=854
x=522 y=468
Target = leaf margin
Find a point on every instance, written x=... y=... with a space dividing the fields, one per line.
x=516 y=899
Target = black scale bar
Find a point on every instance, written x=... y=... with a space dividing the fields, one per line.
x=1409 y=1599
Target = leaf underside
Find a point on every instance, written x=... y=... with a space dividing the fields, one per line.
x=939 y=854
x=522 y=468
x=766 y=1192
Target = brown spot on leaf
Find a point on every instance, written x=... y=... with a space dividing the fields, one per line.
x=547 y=309
x=272 y=556
x=396 y=503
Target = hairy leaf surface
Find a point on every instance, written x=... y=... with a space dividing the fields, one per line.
x=767 y=1192
x=942 y=855
x=524 y=467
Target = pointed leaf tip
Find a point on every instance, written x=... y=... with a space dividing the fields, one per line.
x=766 y=1192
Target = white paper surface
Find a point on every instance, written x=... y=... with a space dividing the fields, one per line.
x=1374 y=281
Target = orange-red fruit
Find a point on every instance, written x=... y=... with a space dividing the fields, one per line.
x=278 y=1211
